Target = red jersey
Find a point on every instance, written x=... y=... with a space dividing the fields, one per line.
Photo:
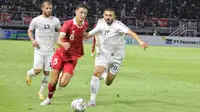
x=74 y=35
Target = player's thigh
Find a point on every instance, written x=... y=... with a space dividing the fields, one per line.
x=114 y=66
x=69 y=67
x=101 y=60
x=38 y=60
x=48 y=59
x=101 y=64
x=57 y=62
x=68 y=71
x=65 y=78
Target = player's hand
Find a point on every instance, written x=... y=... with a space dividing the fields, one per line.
x=86 y=36
x=144 y=45
x=66 y=45
x=35 y=44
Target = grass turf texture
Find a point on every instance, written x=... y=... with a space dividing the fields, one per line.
x=161 y=79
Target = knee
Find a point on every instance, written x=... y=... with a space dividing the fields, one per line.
x=63 y=84
x=37 y=71
x=46 y=73
x=108 y=83
x=98 y=73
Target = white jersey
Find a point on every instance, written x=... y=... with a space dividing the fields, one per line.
x=111 y=38
x=45 y=31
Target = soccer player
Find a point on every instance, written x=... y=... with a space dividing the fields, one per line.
x=43 y=43
x=111 y=50
x=71 y=48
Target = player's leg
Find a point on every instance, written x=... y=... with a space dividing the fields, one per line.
x=113 y=68
x=101 y=64
x=44 y=83
x=38 y=66
x=51 y=87
x=57 y=65
x=67 y=73
x=46 y=72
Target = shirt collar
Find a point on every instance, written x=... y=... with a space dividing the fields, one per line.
x=75 y=23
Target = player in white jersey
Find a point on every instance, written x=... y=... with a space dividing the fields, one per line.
x=43 y=43
x=111 y=50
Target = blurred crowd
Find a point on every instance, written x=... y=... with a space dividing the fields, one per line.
x=145 y=11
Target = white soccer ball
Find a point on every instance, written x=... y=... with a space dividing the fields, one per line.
x=78 y=105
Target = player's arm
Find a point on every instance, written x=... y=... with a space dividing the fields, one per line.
x=58 y=26
x=60 y=42
x=92 y=32
x=123 y=28
x=63 y=31
x=32 y=27
x=143 y=44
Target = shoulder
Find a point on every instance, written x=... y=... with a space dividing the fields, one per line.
x=100 y=21
x=36 y=18
x=119 y=23
x=55 y=18
x=68 y=21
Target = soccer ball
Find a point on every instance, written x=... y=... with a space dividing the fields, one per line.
x=78 y=105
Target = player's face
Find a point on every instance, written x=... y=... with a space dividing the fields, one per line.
x=47 y=10
x=109 y=17
x=81 y=14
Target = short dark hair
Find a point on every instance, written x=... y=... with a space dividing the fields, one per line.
x=82 y=6
x=47 y=2
x=109 y=9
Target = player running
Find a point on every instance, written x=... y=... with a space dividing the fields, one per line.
x=111 y=50
x=71 y=48
x=43 y=43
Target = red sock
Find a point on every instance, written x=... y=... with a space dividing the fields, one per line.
x=51 y=89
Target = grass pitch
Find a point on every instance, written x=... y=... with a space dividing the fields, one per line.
x=160 y=79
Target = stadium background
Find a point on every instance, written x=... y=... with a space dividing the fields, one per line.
x=160 y=79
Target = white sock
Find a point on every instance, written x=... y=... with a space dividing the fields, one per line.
x=44 y=83
x=31 y=72
x=104 y=75
x=94 y=87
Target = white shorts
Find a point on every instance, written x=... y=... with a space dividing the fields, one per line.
x=112 y=63
x=42 y=60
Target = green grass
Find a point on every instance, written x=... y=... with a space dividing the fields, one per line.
x=161 y=79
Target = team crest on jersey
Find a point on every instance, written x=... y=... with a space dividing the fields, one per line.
x=72 y=35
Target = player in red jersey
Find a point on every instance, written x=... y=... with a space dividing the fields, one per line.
x=70 y=49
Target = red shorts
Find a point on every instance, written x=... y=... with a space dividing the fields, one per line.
x=66 y=64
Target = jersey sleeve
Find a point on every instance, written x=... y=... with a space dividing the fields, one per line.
x=33 y=23
x=58 y=26
x=122 y=27
x=65 y=27
x=95 y=30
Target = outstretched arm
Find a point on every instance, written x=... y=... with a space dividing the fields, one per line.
x=143 y=44
x=90 y=34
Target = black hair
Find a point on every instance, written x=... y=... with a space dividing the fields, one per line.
x=82 y=6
